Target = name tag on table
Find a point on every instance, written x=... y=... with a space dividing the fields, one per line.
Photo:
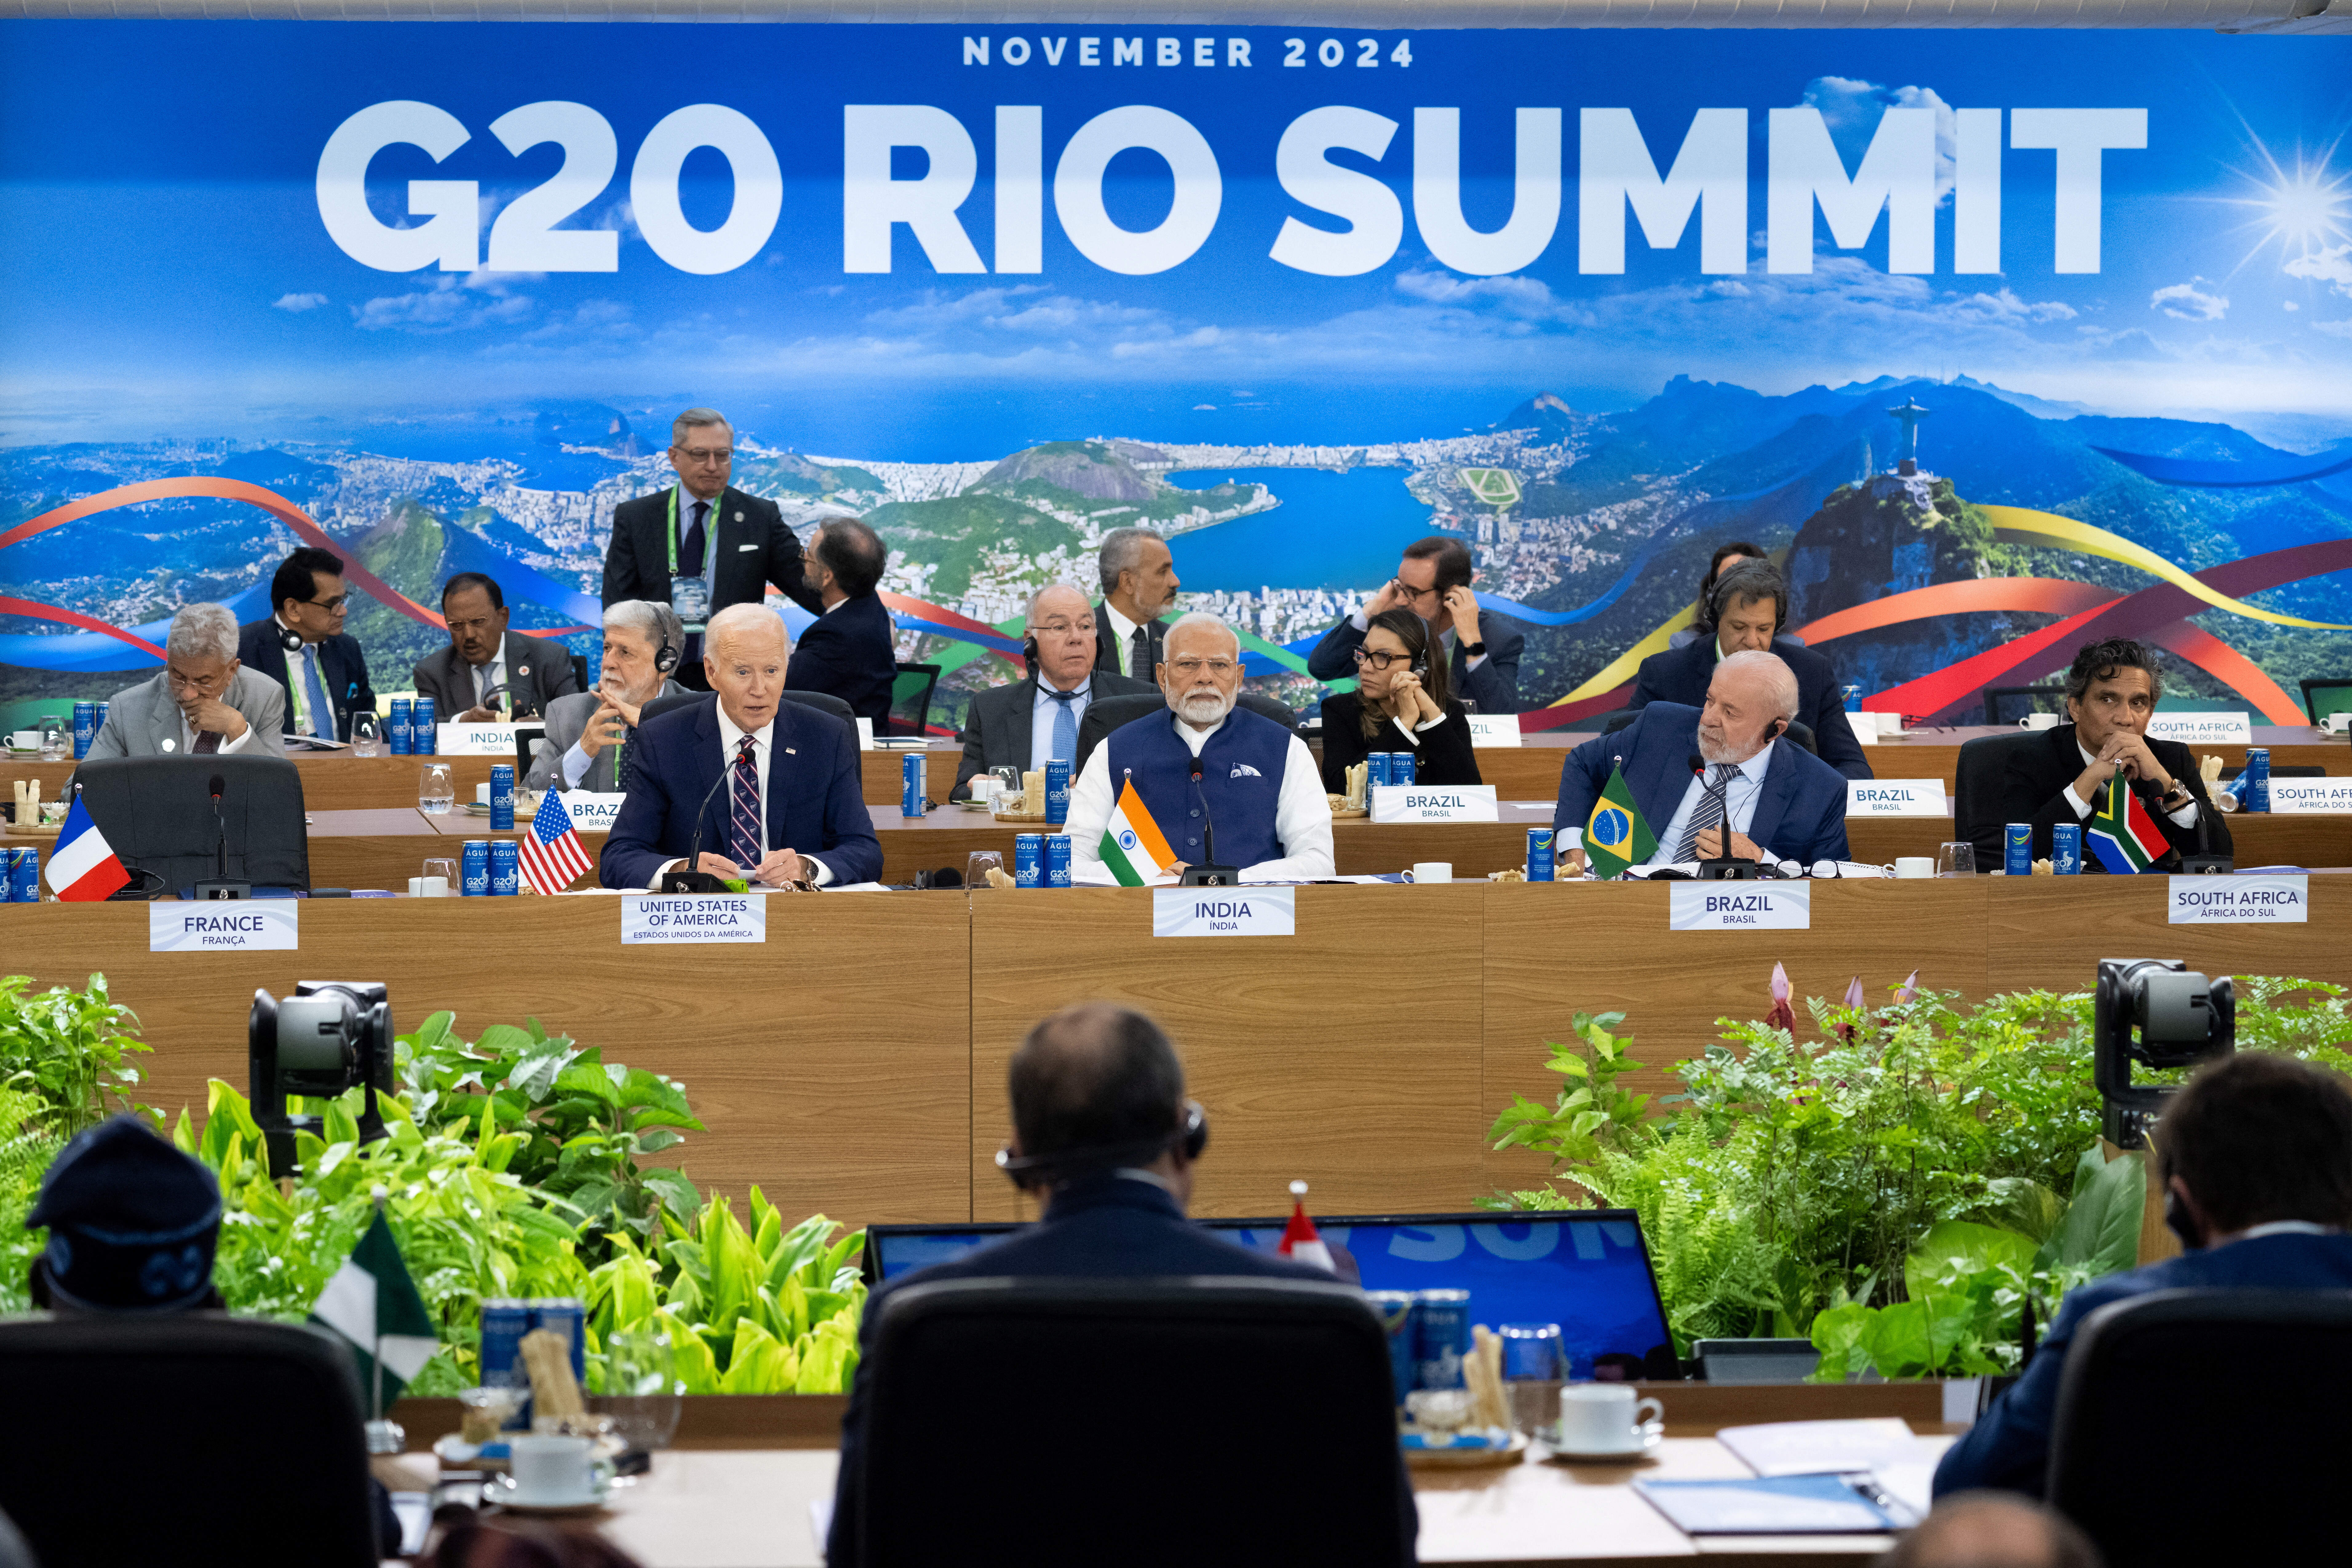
x=1895 y=798
x=1739 y=906
x=1493 y=729
x=592 y=812
x=693 y=918
x=1433 y=803
x=864 y=732
x=2257 y=900
x=2310 y=797
x=2202 y=729
x=475 y=740
x=1224 y=911
x=248 y=925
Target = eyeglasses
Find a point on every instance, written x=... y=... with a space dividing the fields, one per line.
x=1186 y=669
x=1410 y=592
x=330 y=605
x=705 y=454
x=205 y=685
x=1380 y=660
x=1061 y=628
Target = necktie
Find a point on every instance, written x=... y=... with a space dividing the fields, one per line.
x=207 y=743
x=1065 y=726
x=743 y=813
x=1710 y=809
x=621 y=760
x=1138 y=654
x=323 y=712
x=689 y=554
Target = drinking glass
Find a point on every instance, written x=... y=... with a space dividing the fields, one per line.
x=1956 y=860
x=1533 y=1364
x=1008 y=780
x=978 y=865
x=444 y=871
x=53 y=738
x=641 y=1388
x=367 y=736
x=436 y=792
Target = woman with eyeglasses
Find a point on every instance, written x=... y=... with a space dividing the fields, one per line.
x=1401 y=703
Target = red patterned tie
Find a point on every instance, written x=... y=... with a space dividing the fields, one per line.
x=743 y=815
x=207 y=743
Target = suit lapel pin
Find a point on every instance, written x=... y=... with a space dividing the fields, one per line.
x=522 y=669
x=738 y=517
x=791 y=752
x=169 y=746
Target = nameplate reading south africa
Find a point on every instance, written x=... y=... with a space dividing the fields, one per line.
x=2310 y=797
x=1895 y=798
x=693 y=918
x=2202 y=729
x=1224 y=911
x=1739 y=906
x=2239 y=900
x=1433 y=803
x=224 y=925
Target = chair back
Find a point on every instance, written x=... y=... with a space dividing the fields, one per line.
x=1108 y=713
x=1801 y=734
x=157 y=816
x=2205 y=1426
x=2008 y=704
x=143 y=1449
x=580 y=671
x=1070 y=1423
x=910 y=698
x=2324 y=695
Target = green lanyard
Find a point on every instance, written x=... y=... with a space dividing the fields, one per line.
x=672 y=533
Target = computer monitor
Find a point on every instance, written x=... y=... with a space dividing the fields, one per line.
x=1586 y=1269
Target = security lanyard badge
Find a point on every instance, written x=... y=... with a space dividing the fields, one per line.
x=690 y=595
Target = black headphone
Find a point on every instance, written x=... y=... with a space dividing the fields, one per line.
x=1030 y=1170
x=1029 y=651
x=1779 y=728
x=2176 y=1221
x=665 y=657
x=289 y=639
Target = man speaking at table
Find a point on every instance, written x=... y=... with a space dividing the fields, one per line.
x=1781 y=801
x=1223 y=786
x=763 y=776
x=1037 y=720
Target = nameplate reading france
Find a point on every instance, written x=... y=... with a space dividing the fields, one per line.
x=475 y=740
x=2310 y=797
x=224 y=925
x=1224 y=911
x=1895 y=798
x=1433 y=803
x=590 y=812
x=693 y=917
x=1739 y=906
x=2248 y=901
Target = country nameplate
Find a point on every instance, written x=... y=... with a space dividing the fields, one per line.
x=1895 y=798
x=693 y=918
x=1433 y=803
x=2202 y=729
x=475 y=740
x=590 y=812
x=1739 y=906
x=2310 y=797
x=1224 y=911
x=2238 y=900
x=224 y=925
x=1495 y=730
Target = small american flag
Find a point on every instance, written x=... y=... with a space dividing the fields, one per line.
x=552 y=854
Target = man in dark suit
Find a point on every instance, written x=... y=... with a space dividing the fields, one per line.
x=850 y=650
x=489 y=674
x=791 y=777
x=1103 y=1134
x=1036 y=719
x=1781 y=802
x=1138 y=586
x=2061 y=775
x=326 y=678
x=1751 y=601
x=700 y=545
x=1432 y=581
x=2256 y=1159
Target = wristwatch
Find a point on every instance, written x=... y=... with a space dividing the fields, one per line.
x=1474 y=650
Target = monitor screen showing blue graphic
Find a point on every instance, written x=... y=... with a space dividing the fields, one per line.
x=1586 y=1270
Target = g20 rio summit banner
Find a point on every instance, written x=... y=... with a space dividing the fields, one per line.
x=1998 y=341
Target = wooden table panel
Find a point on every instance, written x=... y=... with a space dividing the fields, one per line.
x=2052 y=932
x=1347 y=1055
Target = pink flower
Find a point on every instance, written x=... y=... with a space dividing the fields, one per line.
x=1782 y=1015
x=1909 y=991
x=1853 y=1000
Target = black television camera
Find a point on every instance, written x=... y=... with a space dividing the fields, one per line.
x=2163 y=1014
x=330 y=1035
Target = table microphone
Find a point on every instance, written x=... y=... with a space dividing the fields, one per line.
x=220 y=886
x=1208 y=874
x=692 y=879
x=1726 y=866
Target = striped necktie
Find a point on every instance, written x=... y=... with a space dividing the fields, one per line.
x=1709 y=813
x=743 y=814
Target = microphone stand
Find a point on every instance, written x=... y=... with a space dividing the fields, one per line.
x=2204 y=863
x=1208 y=874
x=1726 y=866
x=221 y=886
x=690 y=878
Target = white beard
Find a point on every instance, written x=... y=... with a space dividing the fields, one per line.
x=1203 y=708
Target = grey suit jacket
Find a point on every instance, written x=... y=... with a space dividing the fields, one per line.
x=996 y=727
x=142 y=721
x=567 y=716
x=538 y=672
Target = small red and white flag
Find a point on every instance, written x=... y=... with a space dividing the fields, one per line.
x=551 y=851
x=83 y=867
x=1300 y=1240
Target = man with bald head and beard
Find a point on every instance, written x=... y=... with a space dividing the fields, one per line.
x=1782 y=803
x=1037 y=720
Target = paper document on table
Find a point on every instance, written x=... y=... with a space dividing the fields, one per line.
x=821 y=1521
x=1769 y=1505
x=1817 y=1448
x=1910 y=1482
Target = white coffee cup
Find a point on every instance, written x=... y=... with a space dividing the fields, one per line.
x=553 y=1469
x=1432 y=872
x=1604 y=1418
x=26 y=740
x=433 y=888
x=1907 y=866
x=2040 y=721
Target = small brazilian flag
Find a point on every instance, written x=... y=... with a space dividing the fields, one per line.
x=1616 y=837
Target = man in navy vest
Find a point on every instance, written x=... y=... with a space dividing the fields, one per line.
x=1208 y=771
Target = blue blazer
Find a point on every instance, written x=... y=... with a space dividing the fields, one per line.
x=1799 y=815
x=1683 y=674
x=817 y=803
x=850 y=652
x=2009 y=1447
x=1105 y=1228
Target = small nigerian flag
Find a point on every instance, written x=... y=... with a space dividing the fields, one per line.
x=1132 y=846
x=1616 y=837
x=373 y=1303
x=2123 y=835
x=83 y=866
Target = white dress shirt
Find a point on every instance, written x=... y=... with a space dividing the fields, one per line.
x=299 y=665
x=1045 y=711
x=489 y=675
x=1122 y=642
x=2185 y=817
x=1738 y=803
x=1302 y=816
x=730 y=736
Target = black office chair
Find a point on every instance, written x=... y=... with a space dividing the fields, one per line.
x=1110 y=712
x=910 y=698
x=580 y=670
x=1619 y=718
x=2322 y=696
x=2205 y=1426
x=127 y=1460
x=1069 y=1423
x=2000 y=710
x=823 y=702
x=157 y=816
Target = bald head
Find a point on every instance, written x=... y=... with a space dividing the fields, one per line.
x=1989 y=1529
x=1094 y=1077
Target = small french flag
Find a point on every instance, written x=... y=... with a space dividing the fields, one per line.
x=1301 y=1242
x=83 y=868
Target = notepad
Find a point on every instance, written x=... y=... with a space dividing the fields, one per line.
x=1816 y=1448
x=1768 y=1505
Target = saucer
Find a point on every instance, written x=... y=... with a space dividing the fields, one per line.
x=508 y=1496
x=1652 y=1433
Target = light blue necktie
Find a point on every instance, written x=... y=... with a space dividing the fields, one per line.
x=323 y=712
x=1065 y=726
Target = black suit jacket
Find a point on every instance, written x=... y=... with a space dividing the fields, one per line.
x=1443 y=754
x=1106 y=658
x=539 y=670
x=342 y=669
x=755 y=548
x=996 y=725
x=1494 y=685
x=1683 y=674
x=2023 y=778
x=851 y=652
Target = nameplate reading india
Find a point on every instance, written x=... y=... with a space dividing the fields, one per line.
x=592 y=813
x=2208 y=729
x=2258 y=900
x=693 y=917
x=1433 y=803
x=226 y=925
x=2310 y=797
x=475 y=740
x=1740 y=906
x=1224 y=911
x=1895 y=798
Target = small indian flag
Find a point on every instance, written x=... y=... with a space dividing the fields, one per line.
x=1133 y=847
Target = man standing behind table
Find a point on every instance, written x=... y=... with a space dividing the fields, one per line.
x=203 y=703
x=489 y=674
x=1139 y=586
x=760 y=775
x=1206 y=769
x=1783 y=802
x=1749 y=606
x=702 y=545
x=1432 y=581
x=303 y=648
x=850 y=651
x=589 y=733
x=1036 y=719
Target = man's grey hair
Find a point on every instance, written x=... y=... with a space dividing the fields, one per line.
x=1122 y=548
x=650 y=619
x=1776 y=673
x=738 y=620
x=202 y=631
x=1029 y=611
x=1203 y=618
x=696 y=419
